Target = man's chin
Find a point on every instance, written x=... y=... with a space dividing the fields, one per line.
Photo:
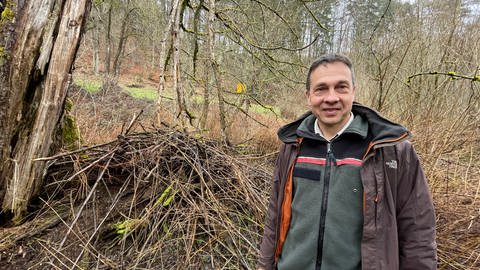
x=328 y=121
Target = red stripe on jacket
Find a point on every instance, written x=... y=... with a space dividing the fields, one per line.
x=322 y=161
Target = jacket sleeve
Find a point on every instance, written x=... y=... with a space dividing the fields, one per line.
x=415 y=214
x=267 y=247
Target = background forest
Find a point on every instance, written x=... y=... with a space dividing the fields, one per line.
x=415 y=61
x=214 y=79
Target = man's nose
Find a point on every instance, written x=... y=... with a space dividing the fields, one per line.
x=332 y=96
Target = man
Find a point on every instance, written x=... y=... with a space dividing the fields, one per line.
x=348 y=190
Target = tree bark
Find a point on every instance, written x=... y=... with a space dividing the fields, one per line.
x=96 y=50
x=122 y=40
x=216 y=75
x=108 y=80
x=196 y=22
x=163 y=57
x=47 y=38
x=176 y=74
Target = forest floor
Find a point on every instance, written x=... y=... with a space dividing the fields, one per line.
x=143 y=197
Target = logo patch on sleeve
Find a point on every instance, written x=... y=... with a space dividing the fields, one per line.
x=391 y=164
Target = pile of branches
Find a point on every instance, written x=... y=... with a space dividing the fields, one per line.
x=158 y=200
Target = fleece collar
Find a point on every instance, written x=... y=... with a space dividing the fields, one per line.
x=306 y=129
x=381 y=128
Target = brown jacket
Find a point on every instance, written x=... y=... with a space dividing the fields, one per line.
x=399 y=219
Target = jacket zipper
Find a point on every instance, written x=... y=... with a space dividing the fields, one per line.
x=369 y=155
x=326 y=181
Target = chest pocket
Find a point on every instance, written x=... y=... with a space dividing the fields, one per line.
x=391 y=170
x=387 y=177
x=305 y=173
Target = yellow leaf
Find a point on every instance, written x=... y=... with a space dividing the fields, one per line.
x=241 y=88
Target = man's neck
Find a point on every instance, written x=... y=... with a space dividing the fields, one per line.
x=329 y=134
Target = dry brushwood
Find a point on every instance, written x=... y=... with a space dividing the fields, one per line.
x=456 y=189
x=158 y=200
x=165 y=200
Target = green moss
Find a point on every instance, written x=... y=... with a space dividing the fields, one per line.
x=68 y=132
x=68 y=105
x=98 y=2
x=7 y=14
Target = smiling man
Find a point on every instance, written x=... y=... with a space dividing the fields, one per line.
x=348 y=190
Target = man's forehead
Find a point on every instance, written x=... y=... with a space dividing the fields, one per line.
x=336 y=80
x=335 y=63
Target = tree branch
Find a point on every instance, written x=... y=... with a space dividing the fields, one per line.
x=450 y=74
x=245 y=112
x=314 y=17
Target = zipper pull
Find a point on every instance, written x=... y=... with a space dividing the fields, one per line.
x=330 y=156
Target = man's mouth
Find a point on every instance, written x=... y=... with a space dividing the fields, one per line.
x=330 y=111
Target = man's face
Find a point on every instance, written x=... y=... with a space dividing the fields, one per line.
x=331 y=96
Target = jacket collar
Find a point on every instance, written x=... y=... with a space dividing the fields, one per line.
x=306 y=129
x=381 y=128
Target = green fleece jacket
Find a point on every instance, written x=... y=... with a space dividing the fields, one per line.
x=398 y=230
x=326 y=225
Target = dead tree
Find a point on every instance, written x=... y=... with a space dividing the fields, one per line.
x=44 y=37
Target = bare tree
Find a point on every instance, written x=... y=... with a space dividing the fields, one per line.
x=216 y=76
x=115 y=37
x=164 y=55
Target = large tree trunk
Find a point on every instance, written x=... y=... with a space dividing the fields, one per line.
x=35 y=82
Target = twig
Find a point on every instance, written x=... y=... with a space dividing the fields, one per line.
x=246 y=113
x=134 y=118
x=92 y=190
x=71 y=153
x=450 y=74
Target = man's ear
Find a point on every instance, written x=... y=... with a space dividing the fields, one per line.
x=307 y=95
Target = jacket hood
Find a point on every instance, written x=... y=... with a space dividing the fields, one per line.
x=382 y=129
